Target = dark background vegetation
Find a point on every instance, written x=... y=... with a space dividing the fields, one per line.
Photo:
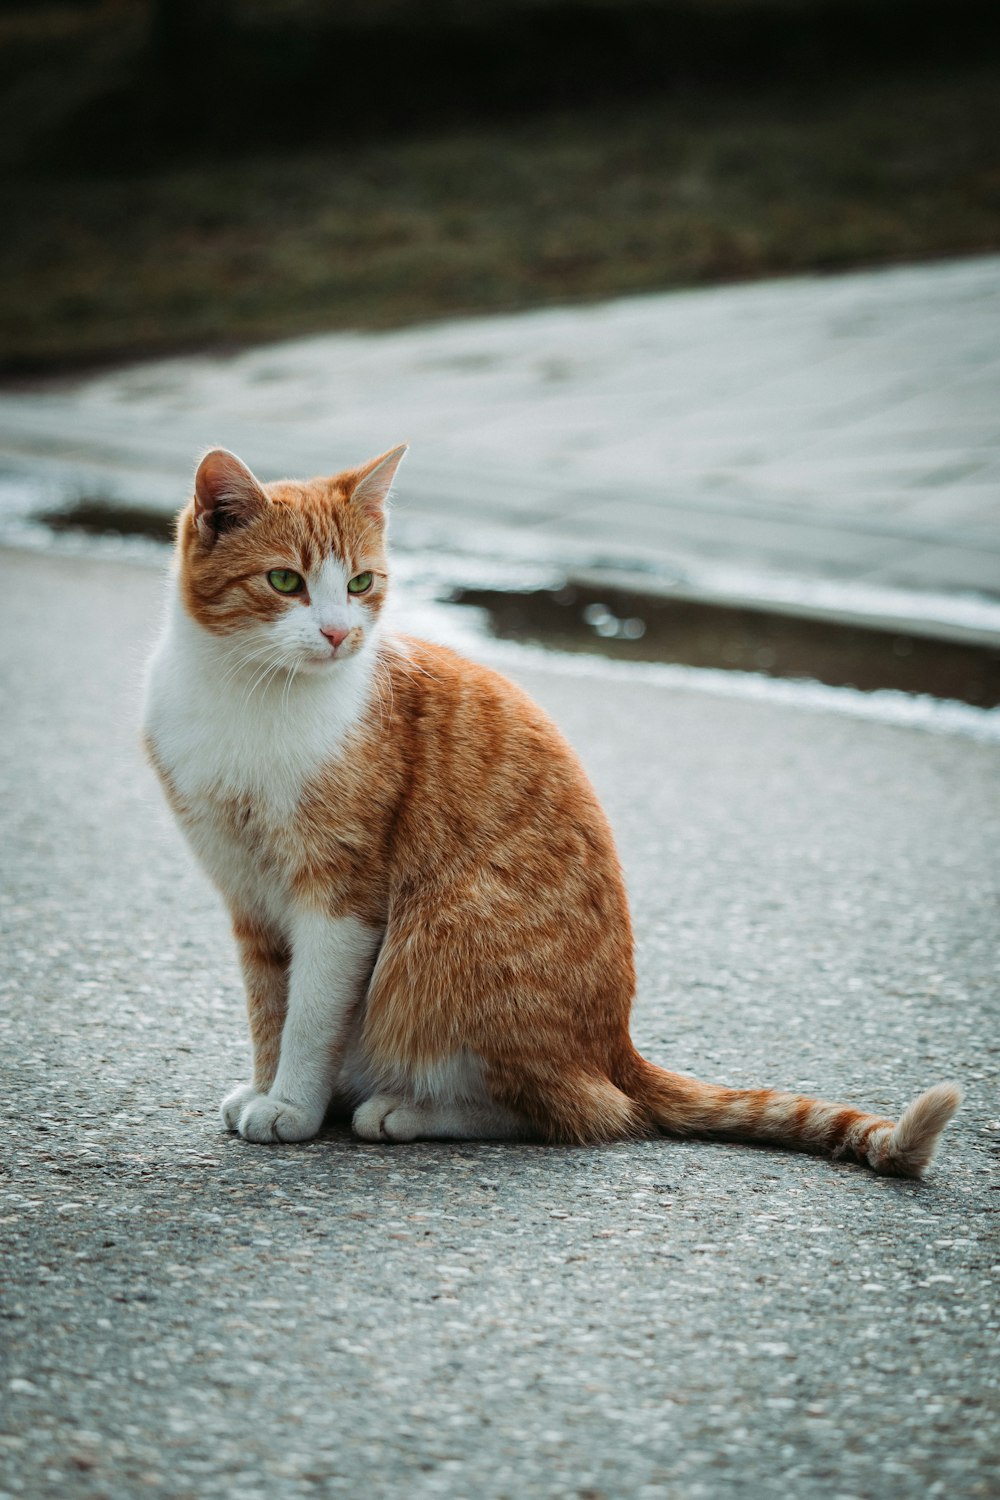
x=182 y=172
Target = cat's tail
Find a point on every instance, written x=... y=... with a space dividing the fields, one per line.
x=902 y=1148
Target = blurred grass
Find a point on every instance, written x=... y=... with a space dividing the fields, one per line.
x=571 y=206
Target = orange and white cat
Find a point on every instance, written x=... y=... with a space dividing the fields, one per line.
x=429 y=909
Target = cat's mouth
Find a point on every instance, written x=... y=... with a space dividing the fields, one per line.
x=326 y=656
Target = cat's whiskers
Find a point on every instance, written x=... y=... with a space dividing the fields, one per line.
x=382 y=680
x=412 y=669
x=248 y=659
x=289 y=679
x=286 y=659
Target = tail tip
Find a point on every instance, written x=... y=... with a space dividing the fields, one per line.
x=915 y=1135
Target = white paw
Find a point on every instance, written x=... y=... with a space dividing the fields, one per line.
x=233 y=1104
x=268 y=1118
x=386 y=1118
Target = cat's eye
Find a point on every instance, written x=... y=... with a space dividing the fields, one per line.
x=285 y=581
x=361 y=584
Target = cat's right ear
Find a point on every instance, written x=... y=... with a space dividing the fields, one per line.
x=226 y=495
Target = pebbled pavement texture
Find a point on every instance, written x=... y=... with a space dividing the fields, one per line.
x=185 y=1315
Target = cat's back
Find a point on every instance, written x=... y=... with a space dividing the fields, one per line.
x=464 y=717
x=483 y=764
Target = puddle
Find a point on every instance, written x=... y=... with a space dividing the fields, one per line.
x=94 y=516
x=637 y=627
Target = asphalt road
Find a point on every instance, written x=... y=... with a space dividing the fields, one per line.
x=188 y=1315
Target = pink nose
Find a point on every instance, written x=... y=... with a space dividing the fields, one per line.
x=335 y=635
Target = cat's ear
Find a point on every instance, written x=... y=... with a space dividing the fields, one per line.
x=369 y=485
x=226 y=494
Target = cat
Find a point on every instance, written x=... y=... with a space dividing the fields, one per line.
x=429 y=909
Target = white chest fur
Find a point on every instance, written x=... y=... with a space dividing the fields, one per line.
x=239 y=747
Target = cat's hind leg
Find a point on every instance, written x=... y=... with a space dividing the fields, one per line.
x=443 y=1099
x=390 y=1117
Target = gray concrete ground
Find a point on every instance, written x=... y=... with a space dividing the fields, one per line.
x=839 y=431
x=185 y=1315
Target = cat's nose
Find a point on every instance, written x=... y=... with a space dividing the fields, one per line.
x=335 y=634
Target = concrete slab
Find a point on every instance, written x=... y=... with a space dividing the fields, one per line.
x=865 y=407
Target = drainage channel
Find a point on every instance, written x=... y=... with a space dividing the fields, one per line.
x=629 y=625
x=639 y=627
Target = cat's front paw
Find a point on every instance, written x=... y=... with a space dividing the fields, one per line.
x=268 y=1118
x=234 y=1104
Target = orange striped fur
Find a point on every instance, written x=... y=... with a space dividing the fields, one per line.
x=429 y=898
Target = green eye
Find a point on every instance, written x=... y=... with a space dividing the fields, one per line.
x=361 y=584
x=285 y=581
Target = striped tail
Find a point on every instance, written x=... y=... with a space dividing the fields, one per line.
x=903 y=1148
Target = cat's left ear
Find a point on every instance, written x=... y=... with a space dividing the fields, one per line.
x=226 y=494
x=369 y=485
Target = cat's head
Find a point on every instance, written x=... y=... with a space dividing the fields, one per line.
x=293 y=573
